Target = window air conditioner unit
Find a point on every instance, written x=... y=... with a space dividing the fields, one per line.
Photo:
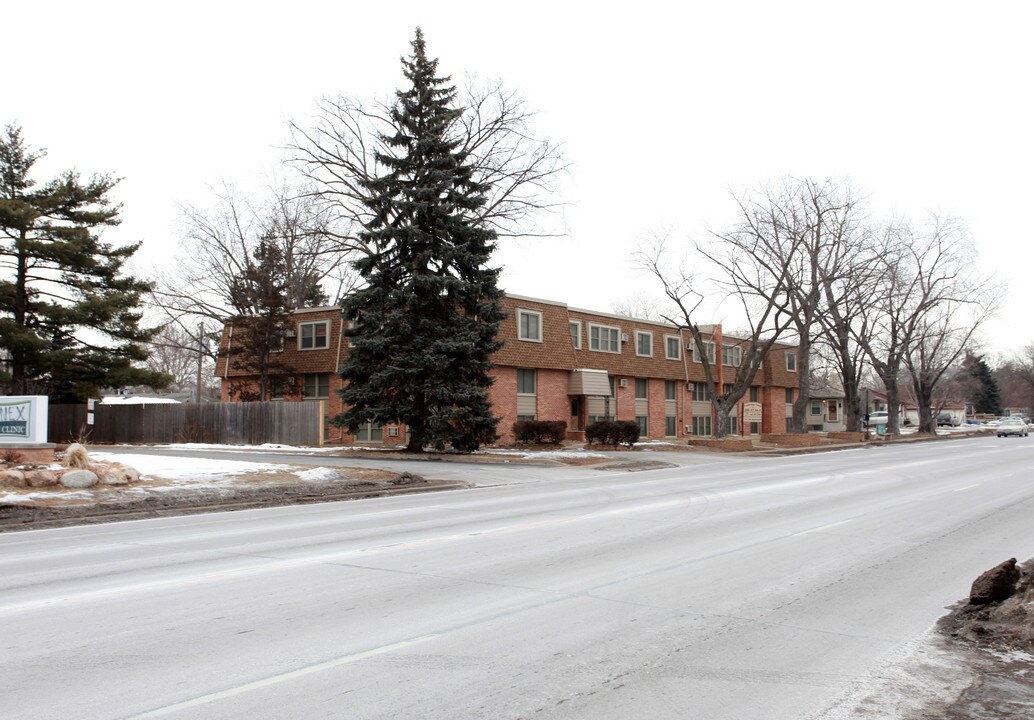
x=393 y=432
x=623 y=382
x=624 y=337
x=288 y=333
x=688 y=429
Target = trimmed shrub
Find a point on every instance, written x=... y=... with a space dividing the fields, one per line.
x=539 y=432
x=612 y=432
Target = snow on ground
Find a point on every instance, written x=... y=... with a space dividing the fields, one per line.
x=546 y=454
x=137 y=400
x=160 y=473
x=190 y=469
x=264 y=446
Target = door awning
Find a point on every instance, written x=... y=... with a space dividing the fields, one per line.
x=589 y=382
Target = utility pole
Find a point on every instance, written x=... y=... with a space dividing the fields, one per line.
x=200 y=357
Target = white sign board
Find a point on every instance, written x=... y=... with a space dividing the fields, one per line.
x=752 y=412
x=23 y=420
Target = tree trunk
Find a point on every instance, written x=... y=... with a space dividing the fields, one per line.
x=721 y=409
x=924 y=401
x=800 y=406
x=21 y=307
x=415 y=444
x=893 y=401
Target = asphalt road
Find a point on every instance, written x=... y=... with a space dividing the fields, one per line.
x=742 y=587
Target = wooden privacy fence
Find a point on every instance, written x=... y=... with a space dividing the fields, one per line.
x=253 y=423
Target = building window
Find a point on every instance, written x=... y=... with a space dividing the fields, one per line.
x=673 y=347
x=316 y=386
x=529 y=325
x=789 y=424
x=755 y=428
x=709 y=347
x=525 y=382
x=669 y=389
x=789 y=396
x=732 y=426
x=670 y=427
x=526 y=401
x=641 y=421
x=726 y=388
x=732 y=355
x=314 y=335
x=699 y=392
x=754 y=394
x=643 y=343
x=576 y=334
x=604 y=339
x=640 y=389
x=702 y=425
x=791 y=362
x=816 y=407
x=369 y=432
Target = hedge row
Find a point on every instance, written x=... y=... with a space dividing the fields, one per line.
x=540 y=431
x=612 y=432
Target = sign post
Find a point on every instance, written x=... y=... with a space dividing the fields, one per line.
x=752 y=413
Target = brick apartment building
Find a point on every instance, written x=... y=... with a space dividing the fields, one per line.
x=557 y=363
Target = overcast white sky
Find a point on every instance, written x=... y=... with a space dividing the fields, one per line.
x=924 y=106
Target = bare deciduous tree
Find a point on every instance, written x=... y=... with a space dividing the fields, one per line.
x=219 y=246
x=797 y=237
x=177 y=352
x=922 y=310
x=766 y=321
x=339 y=151
x=637 y=305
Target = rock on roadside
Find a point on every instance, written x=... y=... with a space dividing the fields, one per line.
x=79 y=479
x=995 y=585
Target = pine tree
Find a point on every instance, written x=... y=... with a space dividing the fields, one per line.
x=260 y=296
x=425 y=323
x=986 y=396
x=69 y=318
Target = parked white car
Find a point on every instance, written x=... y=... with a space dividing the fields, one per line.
x=880 y=417
x=1012 y=426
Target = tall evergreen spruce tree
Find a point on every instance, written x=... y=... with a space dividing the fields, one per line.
x=986 y=396
x=57 y=280
x=425 y=322
x=260 y=296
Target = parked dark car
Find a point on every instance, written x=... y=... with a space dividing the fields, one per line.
x=945 y=418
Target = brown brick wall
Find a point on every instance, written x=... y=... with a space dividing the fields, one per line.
x=554 y=358
x=503 y=396
x=553 y=401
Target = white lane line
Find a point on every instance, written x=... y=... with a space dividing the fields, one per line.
x=821 y=528
x=968 y=487
x=284 y=677
x=263 y=565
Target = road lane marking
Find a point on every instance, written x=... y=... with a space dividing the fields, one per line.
x=283 y=677
x=968 y=487
x=821 y=528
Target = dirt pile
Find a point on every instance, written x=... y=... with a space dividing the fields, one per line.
x=999 y=613
x=993 y=633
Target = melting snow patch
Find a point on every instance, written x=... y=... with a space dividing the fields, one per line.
x=318 y=474
x=187 y=468
x=265 y=446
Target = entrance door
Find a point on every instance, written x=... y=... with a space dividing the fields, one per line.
x=577 y=412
